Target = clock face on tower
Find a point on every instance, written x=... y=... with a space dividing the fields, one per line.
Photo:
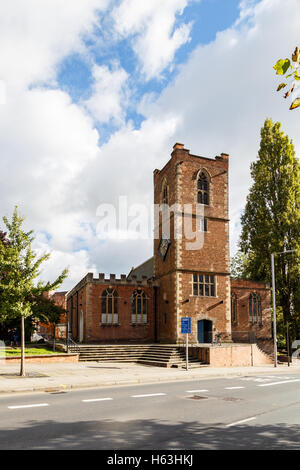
x=163 y=246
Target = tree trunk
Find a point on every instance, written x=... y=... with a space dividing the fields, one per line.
x=22 y=371
x=54 y=324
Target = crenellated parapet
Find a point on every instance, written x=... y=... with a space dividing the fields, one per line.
x=112 y=280
x=124 y=280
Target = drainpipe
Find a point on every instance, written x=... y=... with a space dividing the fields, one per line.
x=77 y=315
x=155 y=315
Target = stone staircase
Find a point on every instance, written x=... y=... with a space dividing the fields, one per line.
x=267 y=348
x=149 y=354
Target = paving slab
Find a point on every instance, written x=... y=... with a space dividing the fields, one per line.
x=65 y=376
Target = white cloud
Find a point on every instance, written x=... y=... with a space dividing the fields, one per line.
x=109 y=94
x=155 y=40
x=51 y=164
x=225 y=91
x=35 y=36
x=77 y=262
x=46 y=141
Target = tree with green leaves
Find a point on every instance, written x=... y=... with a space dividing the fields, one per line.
x=47 y=311
x=239 y=265
x=19 y=269
x=3 y=238
x=271 y=220
x=289 y=69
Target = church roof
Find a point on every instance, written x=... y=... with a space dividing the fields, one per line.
x=144 y=269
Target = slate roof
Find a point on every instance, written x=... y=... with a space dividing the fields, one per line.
x=144 y=269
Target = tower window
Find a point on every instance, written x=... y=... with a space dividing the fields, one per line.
x=165 y=193
x=203 y=224
x=203 y=189
x=204 y=285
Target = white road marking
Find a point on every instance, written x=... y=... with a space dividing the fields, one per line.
x=278 y=383
x=28 y=406
x=266 y=378
x=233 y=388
x=195 y=391
x=240 y=422
x=95 y=399
x=148 y=395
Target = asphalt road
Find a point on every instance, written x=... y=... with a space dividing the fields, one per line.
x=251 y=412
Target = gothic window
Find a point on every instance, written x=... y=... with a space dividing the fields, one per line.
x=203 y=189
x=254 y=308
x=233 y=308
x=109 y=314
x=139 y=308
x=204 y=285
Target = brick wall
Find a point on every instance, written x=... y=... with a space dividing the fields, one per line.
x=211 y=256
x=238 y=355
x=243 y=329
x=51 y=358
x=59 y=298
x=173 y=275
x=85 y=311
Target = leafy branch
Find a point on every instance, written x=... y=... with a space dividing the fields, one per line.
x=289 y=69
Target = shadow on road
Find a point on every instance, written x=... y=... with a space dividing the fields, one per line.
x=148 y=434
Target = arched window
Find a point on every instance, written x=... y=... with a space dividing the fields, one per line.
x=139 y=307
x=254 y=308
x=165 y=193
x=233 y=308
x=203 y=189
x=109 y=307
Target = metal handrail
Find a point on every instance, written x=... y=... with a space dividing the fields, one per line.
x=71 y=344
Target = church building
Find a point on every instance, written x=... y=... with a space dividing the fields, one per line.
x=188 y=275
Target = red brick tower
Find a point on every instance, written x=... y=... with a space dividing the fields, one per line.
x=193 y=273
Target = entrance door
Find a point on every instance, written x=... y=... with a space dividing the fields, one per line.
x=205 y=331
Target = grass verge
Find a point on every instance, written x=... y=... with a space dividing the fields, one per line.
x=15 y=352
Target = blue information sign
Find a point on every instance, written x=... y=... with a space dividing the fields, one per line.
x=186 y=325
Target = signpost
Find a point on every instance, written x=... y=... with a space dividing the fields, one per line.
x=186 y=329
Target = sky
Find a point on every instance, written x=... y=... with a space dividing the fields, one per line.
x=95 y=93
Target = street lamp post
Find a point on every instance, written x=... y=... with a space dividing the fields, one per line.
x=274 y=310
x=288 y=342
x=274 y=301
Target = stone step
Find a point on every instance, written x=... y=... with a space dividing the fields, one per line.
x=127 y=350
x=132 y=354
x=151 y=354
x=151 y=358
x=91 y=350
x=111 y=353
x=178 y=365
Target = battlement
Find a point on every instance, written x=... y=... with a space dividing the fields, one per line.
x=111 y=280
x=124 y=280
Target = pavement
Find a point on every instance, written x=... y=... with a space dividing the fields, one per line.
x=81 y=375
